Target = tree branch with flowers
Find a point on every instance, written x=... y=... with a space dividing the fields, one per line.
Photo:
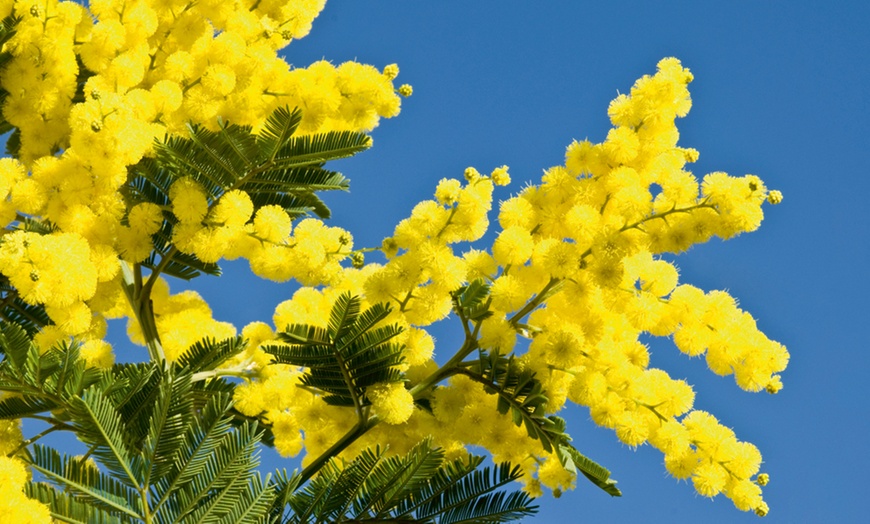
x=149 y=141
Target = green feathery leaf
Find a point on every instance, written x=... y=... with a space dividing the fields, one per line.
x=573 y=460
x=277 y=130
x=208 y=354
x=470 y=301
x=87 y=483
x=71 y=509
x=98 y=424
x=417 y=487
x=319 y=148
x=350 y=355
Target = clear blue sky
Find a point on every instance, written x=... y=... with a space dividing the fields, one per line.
x=779 y=91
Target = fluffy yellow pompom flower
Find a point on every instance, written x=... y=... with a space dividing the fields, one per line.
x=189 y=202
x=406 y=90
x=500 y=176
x=233 y=209
x=272 y=223
x=219 y=79
x=145 y=218
x=97 y=353
x=513 y=246
x=447 y=191
x=391 y=71
x=167 y=96
x=14 y=505
x=391 y=402
x=12 y=474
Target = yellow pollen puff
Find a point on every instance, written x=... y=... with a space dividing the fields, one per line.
x=774 y=197
x=447 y=191
x=233 y=209
x=391 y=402
x=97 y=353
x=272 y=223
x=189 y=202
x=219 y=79
x=516 y=211
x=500 y=176
x=471 y=174
x=513 y=246
x=406 y=90
x=391 y=71
x=167 y=96
x=145 y=218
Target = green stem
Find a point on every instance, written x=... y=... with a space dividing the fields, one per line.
x=358 y=430
x=36 y=437
x=664 y=214
x=142 y=309
x=451 y=367
x=241 y=372
x=549 y=290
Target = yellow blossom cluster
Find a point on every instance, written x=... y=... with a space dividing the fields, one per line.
x=89 y=91
x=14 y=504
x=577 y=269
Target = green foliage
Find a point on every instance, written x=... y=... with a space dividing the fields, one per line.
x=12 y=309
x=273 y=167
x=351 y=354
x=7 y=31
x=169 y=448
x=471 y=301
x=419 y=487
x=521 y=394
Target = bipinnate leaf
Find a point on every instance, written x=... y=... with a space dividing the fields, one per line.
x=523 y=395
x=274 y=167
x=354 y=351
x=418 y=487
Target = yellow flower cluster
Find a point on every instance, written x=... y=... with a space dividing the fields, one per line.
x=182 y=320
x=576 y=268
x=150 y=68
x=419 y=280
x=14 y=504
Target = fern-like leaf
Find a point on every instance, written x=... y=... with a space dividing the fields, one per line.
x=348 y=356
x=84 y=481
x=208 y=354
x=470 y=301
x=277 y=130
x=68 y=508
x=319 y=148
x=417 y=487
x=519 y=393
x=98 y=424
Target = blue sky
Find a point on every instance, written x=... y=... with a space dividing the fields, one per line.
x=779 y=91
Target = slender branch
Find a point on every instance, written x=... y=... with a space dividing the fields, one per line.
x=241 y=372
x=165 y=259
x=450 y=367
x=57 y=427
x=143 y=310
x=664 y=214
x=549 y=290
x=359 y=429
